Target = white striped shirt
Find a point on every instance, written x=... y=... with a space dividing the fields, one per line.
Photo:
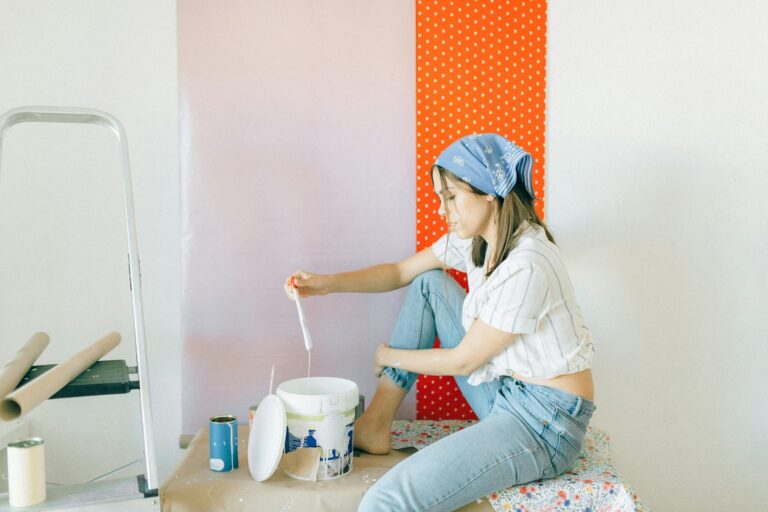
x=529 y=293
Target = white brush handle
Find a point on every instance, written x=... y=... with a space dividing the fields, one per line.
x=303 y=321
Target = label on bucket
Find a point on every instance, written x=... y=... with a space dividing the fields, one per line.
x=331 y=432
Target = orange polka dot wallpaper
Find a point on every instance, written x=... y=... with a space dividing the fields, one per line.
x=480 y=67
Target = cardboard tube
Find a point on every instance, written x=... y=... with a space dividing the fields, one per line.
x=12 y=373
x=43 y=387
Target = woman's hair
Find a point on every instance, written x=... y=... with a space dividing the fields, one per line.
x=511 y=214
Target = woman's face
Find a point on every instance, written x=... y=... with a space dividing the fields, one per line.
x=466 y=213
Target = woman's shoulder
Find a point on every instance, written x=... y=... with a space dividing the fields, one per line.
x=516 y=267
x=534 y=246
x=450 y=243
x=453 y=251
x=450 y=239
x=522 y=261
x=529 y=255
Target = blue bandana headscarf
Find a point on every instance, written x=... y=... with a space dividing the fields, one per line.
x=488 y=162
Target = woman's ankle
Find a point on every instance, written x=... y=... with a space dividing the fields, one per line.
x=372 y=436
x=372 y=417
x=385 y=402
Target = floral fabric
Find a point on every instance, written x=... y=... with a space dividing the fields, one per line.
x=591 y=484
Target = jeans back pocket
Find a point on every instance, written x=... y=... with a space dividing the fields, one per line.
x=570 y=436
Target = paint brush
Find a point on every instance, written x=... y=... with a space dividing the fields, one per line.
x=302 y=319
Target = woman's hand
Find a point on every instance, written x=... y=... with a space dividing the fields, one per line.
x=378 y=359
x=307 y=284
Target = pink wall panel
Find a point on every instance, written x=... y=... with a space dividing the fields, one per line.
x=297 y=152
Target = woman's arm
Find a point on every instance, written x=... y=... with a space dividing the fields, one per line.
x=479 y=346
x=378 y=278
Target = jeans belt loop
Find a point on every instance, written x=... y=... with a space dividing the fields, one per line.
x=577 y=407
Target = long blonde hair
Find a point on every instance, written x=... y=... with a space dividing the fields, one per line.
x=512 y=212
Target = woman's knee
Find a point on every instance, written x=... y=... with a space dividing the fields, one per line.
x=431 y=281
x=377 y=499
x=390 y=492
x=429 y=277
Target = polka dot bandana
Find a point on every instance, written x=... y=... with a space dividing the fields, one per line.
x=489 y=162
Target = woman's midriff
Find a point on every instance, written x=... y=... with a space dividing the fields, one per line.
x=575 y=383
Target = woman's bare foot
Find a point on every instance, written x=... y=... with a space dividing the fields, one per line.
x=373 y=428
x=372 y=435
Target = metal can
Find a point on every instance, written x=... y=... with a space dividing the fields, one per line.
x=251 y=414
x=26 y=472
x=223 y=443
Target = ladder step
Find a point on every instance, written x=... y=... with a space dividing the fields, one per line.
x=110 y=377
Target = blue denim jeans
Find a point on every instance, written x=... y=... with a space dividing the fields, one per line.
x=526 y=432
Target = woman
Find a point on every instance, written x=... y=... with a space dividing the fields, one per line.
x=516 y=344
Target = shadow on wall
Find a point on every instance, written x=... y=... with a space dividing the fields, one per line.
x=631 y=263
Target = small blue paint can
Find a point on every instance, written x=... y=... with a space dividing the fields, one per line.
x=223 y=443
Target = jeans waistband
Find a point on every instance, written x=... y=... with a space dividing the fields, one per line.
x=575 y=405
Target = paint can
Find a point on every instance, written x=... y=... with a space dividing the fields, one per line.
x=26 y=472
x=320 y=412
x=223 y=443
x=251 y=413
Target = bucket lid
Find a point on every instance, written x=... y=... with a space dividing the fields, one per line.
x=267 y=438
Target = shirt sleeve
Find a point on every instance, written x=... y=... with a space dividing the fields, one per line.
x=452 y=251
x=516 y=299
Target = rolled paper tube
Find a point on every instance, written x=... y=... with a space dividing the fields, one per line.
x=12 y=373
x=43 y=387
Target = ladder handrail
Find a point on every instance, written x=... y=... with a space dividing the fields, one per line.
x=46 y=114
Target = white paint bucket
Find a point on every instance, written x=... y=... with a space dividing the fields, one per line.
x=320 y=412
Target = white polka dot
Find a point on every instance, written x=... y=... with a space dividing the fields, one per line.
x=512 y=112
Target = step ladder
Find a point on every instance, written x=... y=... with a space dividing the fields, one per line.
x=141 y=492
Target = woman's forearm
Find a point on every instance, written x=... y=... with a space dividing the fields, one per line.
x=433 y=361
x=378 y=278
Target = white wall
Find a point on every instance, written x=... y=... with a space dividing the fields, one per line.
x=656 y=183
x=63 y=264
